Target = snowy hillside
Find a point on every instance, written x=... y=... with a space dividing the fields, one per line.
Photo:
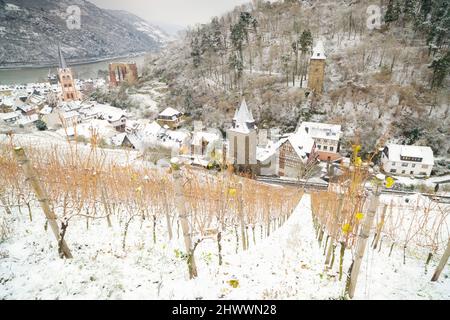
x=288 y=265
x=384 y=79
x=149 y=29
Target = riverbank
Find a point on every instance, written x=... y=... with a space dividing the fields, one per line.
x=95 y=68
x=74 y=62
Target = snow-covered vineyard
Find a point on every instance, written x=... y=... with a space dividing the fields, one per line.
x=139 y=232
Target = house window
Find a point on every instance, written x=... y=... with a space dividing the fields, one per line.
x=405 y=165
x=412 y=172
x=393 y=170
x=331 y=148
x=325 y=148
x=403 y=171
x=424 y=166
x=413 y=165
x=319 y=146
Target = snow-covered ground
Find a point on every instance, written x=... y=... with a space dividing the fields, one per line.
x=287 y=265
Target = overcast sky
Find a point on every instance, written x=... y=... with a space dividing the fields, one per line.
x=173 y=12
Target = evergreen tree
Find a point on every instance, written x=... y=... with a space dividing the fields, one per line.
x=392 y=12
x=306 y=41
x=425 y=9
x=409 y=10
x=439 y=26
x=441 y=68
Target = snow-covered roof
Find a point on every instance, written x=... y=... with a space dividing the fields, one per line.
x=70 y=114
x=101 y=127
x=200 y=136
x=10 y=115
x=319 y=51
x=46 y=110
x=264 y=153
x=322 y=130
x=26 y=107
x=396 y=152
x=243 y=118
x=8 y=101
x=170 y=112
x=301 y=142
x=117 y=140
x=28 y=119
x=110 y=113
x=151 y=129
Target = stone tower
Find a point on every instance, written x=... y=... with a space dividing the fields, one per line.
x=317 y=69
x=243 y=140
x=68 y=90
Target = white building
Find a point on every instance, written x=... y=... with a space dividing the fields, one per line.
x=407 y=160
x=10 y=117
x=170 y=117
x=326 y=136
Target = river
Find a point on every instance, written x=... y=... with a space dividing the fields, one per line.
x=82 y=71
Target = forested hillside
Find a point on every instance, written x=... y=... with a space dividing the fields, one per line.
x=390 y=81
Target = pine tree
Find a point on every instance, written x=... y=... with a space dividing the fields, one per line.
x=441 y=68
x=409 y=10
x=392 y=12
x=425 y=9
x=439 y=26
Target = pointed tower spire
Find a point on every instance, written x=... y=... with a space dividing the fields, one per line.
x=319 y=51
x=61 y=60
x=243 y=118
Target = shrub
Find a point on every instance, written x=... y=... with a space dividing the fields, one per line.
x=41 y=125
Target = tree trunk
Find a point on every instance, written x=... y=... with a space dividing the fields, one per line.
x=42 y=197
x=442 y=263
x=362 y=242
x=169 y=224
x=183 y=218
x=3 y=201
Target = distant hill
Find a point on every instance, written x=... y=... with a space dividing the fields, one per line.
x=31 y=29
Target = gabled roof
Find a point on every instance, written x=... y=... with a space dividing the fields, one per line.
x=170 y=112
x=322 y=130
x=301 y=142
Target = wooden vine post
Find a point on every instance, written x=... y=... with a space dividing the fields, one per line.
x=363 y=237
x=241 y=215
x=42 y=197
x=334 y=233
x=442 y=263
x=183 y=217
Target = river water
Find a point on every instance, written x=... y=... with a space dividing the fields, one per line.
x=82 y=71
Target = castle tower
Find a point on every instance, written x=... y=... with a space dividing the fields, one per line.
x=242 y=139
x=65 y=77
x=316 y=74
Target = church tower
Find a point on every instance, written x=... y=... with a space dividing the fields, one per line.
x=68 y=90
x=317 y=69
x=243 y=140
